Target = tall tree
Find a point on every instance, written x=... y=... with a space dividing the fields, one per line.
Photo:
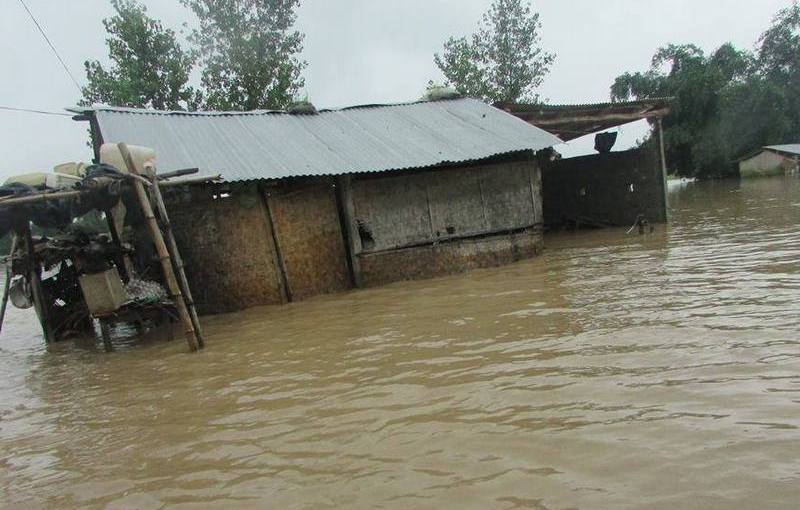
x=726 y=104
x=502 y=61
x=779 y=62
x=249 y=53
x=149 y=69
x=695 y=140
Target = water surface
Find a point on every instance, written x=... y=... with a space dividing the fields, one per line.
x=615 y=371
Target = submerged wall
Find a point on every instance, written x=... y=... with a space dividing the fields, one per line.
x=432 y=223
x=610 y=189
x=253 y=244
x=226 y=243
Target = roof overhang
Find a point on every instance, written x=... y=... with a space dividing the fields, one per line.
x=569 y=122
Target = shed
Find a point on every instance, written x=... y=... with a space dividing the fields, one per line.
x=318 y=203
x=609 y=188
x=771 y=160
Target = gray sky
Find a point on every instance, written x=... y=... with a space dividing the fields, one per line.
x=360 y=51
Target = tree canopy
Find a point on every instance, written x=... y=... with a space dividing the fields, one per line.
x=149 y=68
x=249 y=53
x=725 y=104
x=503 y=60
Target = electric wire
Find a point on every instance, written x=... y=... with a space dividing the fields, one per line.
x=52 y=47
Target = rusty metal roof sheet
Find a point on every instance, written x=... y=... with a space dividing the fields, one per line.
x=574 y=121
x=272 y=145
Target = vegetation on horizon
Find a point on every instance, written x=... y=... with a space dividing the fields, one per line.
x=727 y=103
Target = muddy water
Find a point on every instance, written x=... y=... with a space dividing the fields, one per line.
x=616 y=371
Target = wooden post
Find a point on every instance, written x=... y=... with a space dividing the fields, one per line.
x=663 y=157
x=351 y=228
x=287 y=290
x=7 y=284
x=35 y=279
x=161 y=248
x=177 y=259
x=115 y=218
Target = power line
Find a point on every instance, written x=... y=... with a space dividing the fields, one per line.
x=55 y=51
x=28 y=110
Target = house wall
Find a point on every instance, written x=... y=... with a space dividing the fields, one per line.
x=227 y=247
x=766 y=163
x=610 y=189
x=249 y=245
x=429 y=223
x=308 y=232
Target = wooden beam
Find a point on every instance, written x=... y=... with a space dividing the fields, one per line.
x=353 y=239
x=543 y=119
x=7 y=283
x=663 y=159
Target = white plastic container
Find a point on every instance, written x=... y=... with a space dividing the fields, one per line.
x=110 y=155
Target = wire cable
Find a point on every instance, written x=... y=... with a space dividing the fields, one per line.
x=55 y=51
x=28 y=110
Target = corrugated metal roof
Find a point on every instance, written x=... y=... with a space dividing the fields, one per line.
x=273 y=145
x=792 y=148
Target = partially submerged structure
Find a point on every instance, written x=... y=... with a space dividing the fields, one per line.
x=771 y=160
x=327 y=201
x=605 y=189
x=73 y=274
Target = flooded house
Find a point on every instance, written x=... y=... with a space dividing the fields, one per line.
x=606 y=189
x=771 y=160
x=321 y=202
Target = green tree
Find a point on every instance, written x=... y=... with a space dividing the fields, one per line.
x=779 y=63
x=503 y=61
x=149 y=69
x=249 y=53
x=698 y=84
x=727 y=104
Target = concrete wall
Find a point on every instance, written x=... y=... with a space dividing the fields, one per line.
x=609 y=189
x=430 y=223
x=766 y=163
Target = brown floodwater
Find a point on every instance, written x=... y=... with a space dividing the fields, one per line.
x=615 y=371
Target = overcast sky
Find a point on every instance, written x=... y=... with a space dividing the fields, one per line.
x=359 y=51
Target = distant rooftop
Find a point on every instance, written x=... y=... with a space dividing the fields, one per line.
x=275 y=144
x=571 y=121
x=792 y=148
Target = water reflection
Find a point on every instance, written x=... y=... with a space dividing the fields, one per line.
x=615 y=371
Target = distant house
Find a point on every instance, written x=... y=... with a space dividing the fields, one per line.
x=771 y=160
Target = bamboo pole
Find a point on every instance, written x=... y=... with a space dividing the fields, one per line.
x=39 y=197
x=11 y=201
x=7 y=284
x=163 y=253
x=172 y=245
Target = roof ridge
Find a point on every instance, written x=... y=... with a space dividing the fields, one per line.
x=233 y=113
